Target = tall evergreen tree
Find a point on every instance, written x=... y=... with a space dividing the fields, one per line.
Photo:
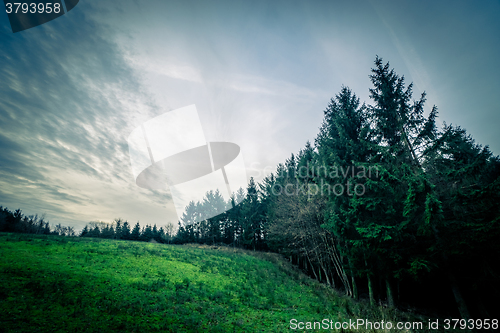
x=125 y=231
x=252 y=218
x=463 y=213
x=136 y=232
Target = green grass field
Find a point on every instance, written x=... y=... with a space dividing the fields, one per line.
x=63 y=284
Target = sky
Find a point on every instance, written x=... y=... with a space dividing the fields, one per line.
x=260 y=73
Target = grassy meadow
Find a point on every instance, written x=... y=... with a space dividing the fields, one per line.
x=67 y=284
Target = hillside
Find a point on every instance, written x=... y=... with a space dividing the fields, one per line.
x=52 y=283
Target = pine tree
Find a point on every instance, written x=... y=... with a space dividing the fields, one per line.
x=146 y=234
x=96 y=232
x=136 y=232
x=252 y=218
x=84 y=232
x=345 y=143
x=125 y=231
x=118 y=228
x=463 y=216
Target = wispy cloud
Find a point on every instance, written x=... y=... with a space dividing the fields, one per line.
x=66 y=111
x=267 y=86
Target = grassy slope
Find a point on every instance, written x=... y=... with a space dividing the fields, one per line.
x=51 y=283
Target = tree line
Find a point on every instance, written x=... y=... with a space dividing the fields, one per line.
x=383 y=203
x=18 y=222
x=122 y=229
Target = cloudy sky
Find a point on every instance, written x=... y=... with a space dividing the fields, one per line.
x=259 y=72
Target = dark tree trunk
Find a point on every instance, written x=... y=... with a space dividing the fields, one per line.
x=355 y=294
x=390 y=293
x=370 y=290
x=462 y=306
